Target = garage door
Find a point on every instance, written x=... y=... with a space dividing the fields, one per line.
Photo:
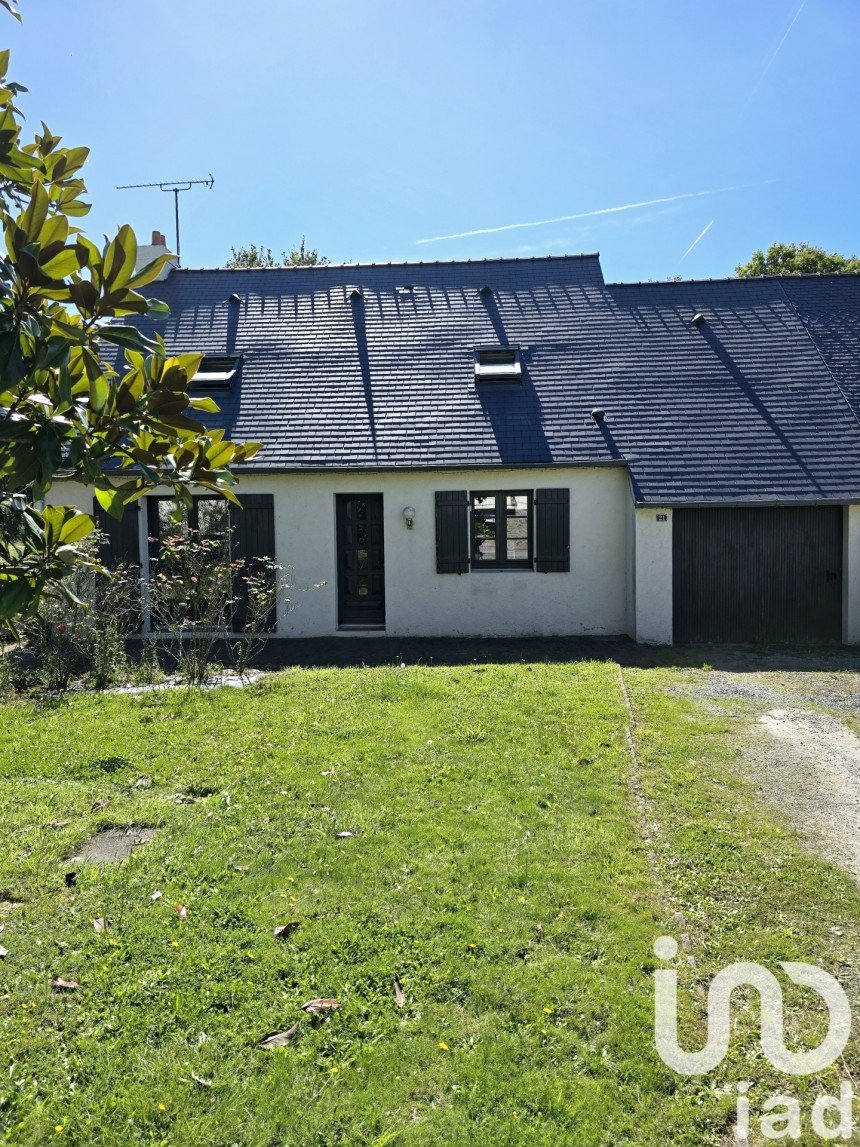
x=757 y=574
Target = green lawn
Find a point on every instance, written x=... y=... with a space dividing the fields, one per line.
x=496 y=868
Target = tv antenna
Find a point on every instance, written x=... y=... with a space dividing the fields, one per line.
x=175 y=186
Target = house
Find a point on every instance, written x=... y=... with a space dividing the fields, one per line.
x=515 y=447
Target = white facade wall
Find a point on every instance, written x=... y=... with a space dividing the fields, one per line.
x=593 y=598
x=652 y=578
x=851 y=576
x=620 y=579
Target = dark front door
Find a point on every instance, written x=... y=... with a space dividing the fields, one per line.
x=360 y=560
x=758 y=575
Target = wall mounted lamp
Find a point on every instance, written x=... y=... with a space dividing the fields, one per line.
x=408 y=516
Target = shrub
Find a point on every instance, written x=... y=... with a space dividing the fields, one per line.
x=85 y=630
x=190 y=594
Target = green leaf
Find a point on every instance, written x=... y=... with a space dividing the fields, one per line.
x=120 y=258
x=157 y=309
x=109 y=499
x=75 y=527
x=36 y=213
x=129 y=337
x=66 y=263
x=84 y=296
x=205 y=403
x=150 y=272
x=99 y=393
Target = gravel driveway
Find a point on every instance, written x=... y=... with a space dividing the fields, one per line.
x=798 y=724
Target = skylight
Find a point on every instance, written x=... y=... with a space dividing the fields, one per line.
x=497 y=364
x=216 y=372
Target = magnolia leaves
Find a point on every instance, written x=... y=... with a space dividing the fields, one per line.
x=37 y=548
x=45 y=250
x=65 y=406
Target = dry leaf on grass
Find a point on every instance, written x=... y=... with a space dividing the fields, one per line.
x=319 y=1006
x=181 y=911
x=344 y=835
x=284 y=930
x=101 y=803
x=199 y=1079
x=156 y=895
x=99 y=924
x=4 y=952
x=57 y=823
x=399 y=994
x=61 y=985
x=278 y=1039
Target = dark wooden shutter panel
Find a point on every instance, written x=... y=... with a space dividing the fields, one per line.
x=552 y=521
x=452 y=532
x=122 y=540
x=252 y=537
x=122 y=545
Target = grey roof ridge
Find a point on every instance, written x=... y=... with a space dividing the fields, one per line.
x=794 y=276
x=298 y=267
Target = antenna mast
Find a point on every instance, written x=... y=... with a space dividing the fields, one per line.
x=175 y=186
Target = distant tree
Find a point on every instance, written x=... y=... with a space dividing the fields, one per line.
x=303 y=256
x=254 y=256
x=796 y=259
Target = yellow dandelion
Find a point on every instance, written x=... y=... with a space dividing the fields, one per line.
x=58 y=1128
x=442 y=1045
x=473 y=945
x=335 y=1070
x=174 y=943
x=161 y=1107
x=547 y=1011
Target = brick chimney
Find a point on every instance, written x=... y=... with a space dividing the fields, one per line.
x=146 y=252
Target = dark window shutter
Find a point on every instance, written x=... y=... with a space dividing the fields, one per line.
x=452 y=532
x=122 y=540
x=253 y=538
x=121 y=546
x=552 y=520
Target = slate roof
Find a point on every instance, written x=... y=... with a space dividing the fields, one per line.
x=761 y=403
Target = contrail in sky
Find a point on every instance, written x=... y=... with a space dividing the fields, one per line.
x=589 y=214
x=696 y=241
x=777 y=50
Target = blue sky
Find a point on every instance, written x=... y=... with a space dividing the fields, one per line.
x=371 y=126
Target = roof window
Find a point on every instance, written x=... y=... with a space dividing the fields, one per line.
x=497 y=364
x=216 y=372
